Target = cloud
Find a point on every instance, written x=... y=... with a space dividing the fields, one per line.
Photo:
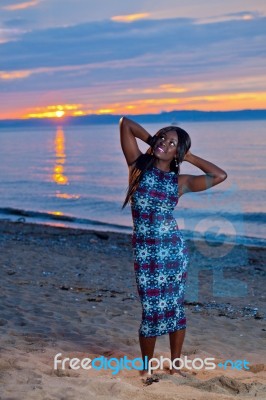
x=166 y=88
x=130 y=17
x=21 y=5
x=16 y=22
x=107 y=41
x=52 y=13
x=10 y=34
x=243 y=15
x=14 y=75
x=113 y=64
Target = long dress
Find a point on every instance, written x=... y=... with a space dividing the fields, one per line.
x=160 y=253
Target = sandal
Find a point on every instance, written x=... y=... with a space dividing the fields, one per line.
x=150 y=380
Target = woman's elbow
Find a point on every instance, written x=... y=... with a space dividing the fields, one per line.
x=123 y=120
x=122 y=124
x=222 y=176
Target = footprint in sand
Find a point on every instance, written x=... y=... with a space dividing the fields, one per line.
x=62 y=373
x=225 y=385
x=35 y=380
x=257 y=368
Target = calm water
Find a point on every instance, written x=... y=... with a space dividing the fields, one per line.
x=79 y=176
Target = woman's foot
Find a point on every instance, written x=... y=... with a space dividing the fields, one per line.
x=144 y=373
x=148 y=378
x=177 y=371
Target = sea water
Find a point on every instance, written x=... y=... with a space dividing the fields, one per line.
x=77 y=176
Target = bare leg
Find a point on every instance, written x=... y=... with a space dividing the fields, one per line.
x=147 y=345
x=176 y=343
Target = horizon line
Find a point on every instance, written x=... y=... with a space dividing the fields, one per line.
x=80 y=117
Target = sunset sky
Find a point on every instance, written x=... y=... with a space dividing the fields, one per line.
x=78 y=57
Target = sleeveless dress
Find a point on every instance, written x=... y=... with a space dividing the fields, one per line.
x=160 y=253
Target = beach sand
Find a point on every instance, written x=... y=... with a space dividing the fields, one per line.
x=73 y=292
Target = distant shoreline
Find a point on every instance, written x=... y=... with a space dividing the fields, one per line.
x=171 y=117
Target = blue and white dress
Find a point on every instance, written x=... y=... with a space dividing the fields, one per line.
x=160 y=253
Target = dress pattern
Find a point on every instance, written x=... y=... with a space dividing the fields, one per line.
x=160 y=253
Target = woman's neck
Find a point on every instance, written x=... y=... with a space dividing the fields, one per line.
x=162 y=166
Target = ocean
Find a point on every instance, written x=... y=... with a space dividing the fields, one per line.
x=76 y=176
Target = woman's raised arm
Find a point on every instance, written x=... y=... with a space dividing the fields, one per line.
x=193 y=183
x=129 y=131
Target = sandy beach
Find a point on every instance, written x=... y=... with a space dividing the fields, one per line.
x=73 y=292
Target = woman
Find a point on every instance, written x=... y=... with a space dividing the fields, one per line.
x=160 y=252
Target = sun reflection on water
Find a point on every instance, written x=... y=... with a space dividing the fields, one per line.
x=59 y=177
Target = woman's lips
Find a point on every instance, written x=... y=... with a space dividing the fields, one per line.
x=160 y=149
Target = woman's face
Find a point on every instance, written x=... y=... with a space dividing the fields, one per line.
x=166 y=146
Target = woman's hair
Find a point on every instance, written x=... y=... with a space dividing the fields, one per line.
x=146 y=161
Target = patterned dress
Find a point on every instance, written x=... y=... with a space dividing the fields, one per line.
x=160 y=253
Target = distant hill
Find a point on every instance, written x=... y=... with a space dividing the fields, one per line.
x=171 y=117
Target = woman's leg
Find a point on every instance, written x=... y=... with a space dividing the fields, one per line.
x=176 y=343
x=147 y=345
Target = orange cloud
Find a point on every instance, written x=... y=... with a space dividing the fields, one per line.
x=53 y=111
x=166 y=88
x=216 y=102
x=63 y=110
x=51 y=114
x=21 y=6
x=151 y=104
x=130 y=17
x=105 y=111
x=233 y=101
x=14 y=75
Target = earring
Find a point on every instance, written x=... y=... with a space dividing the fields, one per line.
x=176 y=163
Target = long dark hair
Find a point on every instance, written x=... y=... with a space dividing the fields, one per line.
x=147 y=160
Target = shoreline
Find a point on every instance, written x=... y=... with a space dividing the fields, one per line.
x=73 y=291
x=69 y=222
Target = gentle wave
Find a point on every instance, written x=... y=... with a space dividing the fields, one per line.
x=64 y=218
x=255 y=217
x=84 y=223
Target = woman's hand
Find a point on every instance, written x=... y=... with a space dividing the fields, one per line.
x=152 y=140
x=187 y=156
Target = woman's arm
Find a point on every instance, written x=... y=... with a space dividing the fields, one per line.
x=129 y=131
x=193 y=183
